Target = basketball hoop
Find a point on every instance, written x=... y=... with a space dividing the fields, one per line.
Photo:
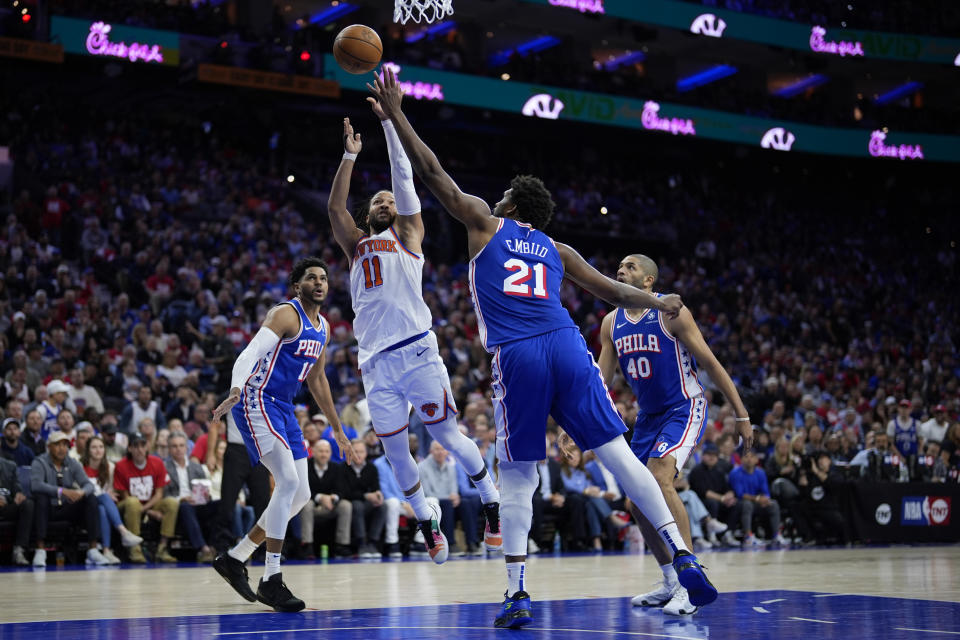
x=421 y=10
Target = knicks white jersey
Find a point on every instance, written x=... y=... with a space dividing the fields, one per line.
x=386 y=284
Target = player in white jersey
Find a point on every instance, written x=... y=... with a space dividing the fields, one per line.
x=399 y=359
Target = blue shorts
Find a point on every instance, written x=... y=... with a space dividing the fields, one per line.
x=265 y=422
x=675 y=432
x=552 y=374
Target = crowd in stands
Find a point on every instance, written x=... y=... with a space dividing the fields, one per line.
x=135 y=263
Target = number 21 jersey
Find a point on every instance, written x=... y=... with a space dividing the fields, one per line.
x=515 y=282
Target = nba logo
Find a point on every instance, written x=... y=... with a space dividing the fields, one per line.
x=925 y=511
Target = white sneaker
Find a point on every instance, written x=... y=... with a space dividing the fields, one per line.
x=658 y=597
x=111 y=558
x=751 y=540
x=129 y=539
x=96 y=558
x=715 y=526
x=699 y=544
x=532 y=547
x=730 y=540
x=40 y=558
x=679 y=605
x=780 y=541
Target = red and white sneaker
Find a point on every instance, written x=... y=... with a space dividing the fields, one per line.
x=492 y=537
x=436 y=542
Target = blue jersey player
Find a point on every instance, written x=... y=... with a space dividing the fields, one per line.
x=658 y=356
x=541 y=365
x=288 y=349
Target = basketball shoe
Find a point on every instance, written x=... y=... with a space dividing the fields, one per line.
x=492 y=537
x=436 y=542
x=658 y=597
x=679 y=604
x=515 y=611
x=274 y=593
x=700 y=590
x=235 y=573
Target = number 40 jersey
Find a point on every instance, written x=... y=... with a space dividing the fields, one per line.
x=515 y=281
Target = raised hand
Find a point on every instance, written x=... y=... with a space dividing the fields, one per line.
x=671 y=305
x=351 y=140
x=377 y=109
x=387 y=91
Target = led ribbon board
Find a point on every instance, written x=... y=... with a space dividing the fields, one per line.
x=117 y=42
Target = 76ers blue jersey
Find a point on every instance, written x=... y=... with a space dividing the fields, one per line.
x=658 y=367
x=280 y=373
x=515 y=282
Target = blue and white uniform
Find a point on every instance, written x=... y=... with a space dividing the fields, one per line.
x=663 y=376
x=541 y=364
x=904 y=435
x=265 y=415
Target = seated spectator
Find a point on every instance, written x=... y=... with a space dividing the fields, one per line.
x=33 y=436
x=950 y=447
x=438 y=477
x=904 y=431
x=139 y=480
x=935 y=429
x=469 y=511
x=363 y=490
x=703 y=527
x=66 y=424
x=713 y=488
x=189 y=485
x=335 y=454
x=749 y=483
x=878 y=460
x=328 y=491
x=374 y=447
x=100 y=472
x=395 y=503
x=108 y=429
x=62 y=491
x=243 y=513
x=83 y=431
x=821 y=486
x=144 y=407
x=550 y=498
x=162 y=450
x=577 y=483
x=52 y=405
x=81 y=395
x=12 y=447
x=15 y=507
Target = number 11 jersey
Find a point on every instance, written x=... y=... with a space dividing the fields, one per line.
x=515 y=282
x=386 y=285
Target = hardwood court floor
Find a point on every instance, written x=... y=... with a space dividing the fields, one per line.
x=573 y=594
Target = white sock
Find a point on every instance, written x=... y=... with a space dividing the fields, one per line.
x=488 y=490
x=273 y=565
x=515 y=582
x=669 y=574
x=243 y=550
x=420 y=507
x=671 y=536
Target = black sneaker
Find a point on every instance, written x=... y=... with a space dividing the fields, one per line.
x=235 y=573
x=274 y=593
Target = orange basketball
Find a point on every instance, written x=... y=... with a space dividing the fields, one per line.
x=357 y=49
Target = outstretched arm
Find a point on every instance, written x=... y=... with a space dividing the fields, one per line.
x=409 y=221
x=345 y=230
x=470 y=210
x=616 y=293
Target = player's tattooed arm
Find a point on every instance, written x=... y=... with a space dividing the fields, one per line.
x=616 y=293
x=345 y=230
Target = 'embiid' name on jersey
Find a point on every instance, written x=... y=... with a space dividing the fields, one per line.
x=523 y=246
x=637 y=342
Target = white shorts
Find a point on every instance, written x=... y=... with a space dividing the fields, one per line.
x=413 y=374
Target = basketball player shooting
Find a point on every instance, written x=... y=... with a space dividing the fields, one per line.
x=398 y=354
x=541 y=364
x=658 y=356
x=289 y=348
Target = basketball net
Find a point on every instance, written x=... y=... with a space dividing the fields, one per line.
x=421 y=10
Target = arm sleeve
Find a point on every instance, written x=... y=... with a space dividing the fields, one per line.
x=262 y=344
x=401 y=171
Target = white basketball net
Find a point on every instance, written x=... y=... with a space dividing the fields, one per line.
x=421 y=10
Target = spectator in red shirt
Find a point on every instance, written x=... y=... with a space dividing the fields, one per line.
x=54 y=209
x=160 y=286
x=139 y=480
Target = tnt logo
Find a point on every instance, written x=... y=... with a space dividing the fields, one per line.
x=778 y=139
x=542 y=105
x=925 y=511
x=430 y=408
x=707 y=24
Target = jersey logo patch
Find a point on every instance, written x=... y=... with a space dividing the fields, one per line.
x=430 y=408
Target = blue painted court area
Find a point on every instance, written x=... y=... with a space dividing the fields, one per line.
x=761 y=615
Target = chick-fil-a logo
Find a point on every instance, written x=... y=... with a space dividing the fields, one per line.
x=583 y=6
x=98 y=44
x=416 y=90
x=878 y=149
x=651 y=120
x=842 y=48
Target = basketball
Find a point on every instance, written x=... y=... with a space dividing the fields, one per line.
x=357 y=49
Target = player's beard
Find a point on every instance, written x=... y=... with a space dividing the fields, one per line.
x=377 y=226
